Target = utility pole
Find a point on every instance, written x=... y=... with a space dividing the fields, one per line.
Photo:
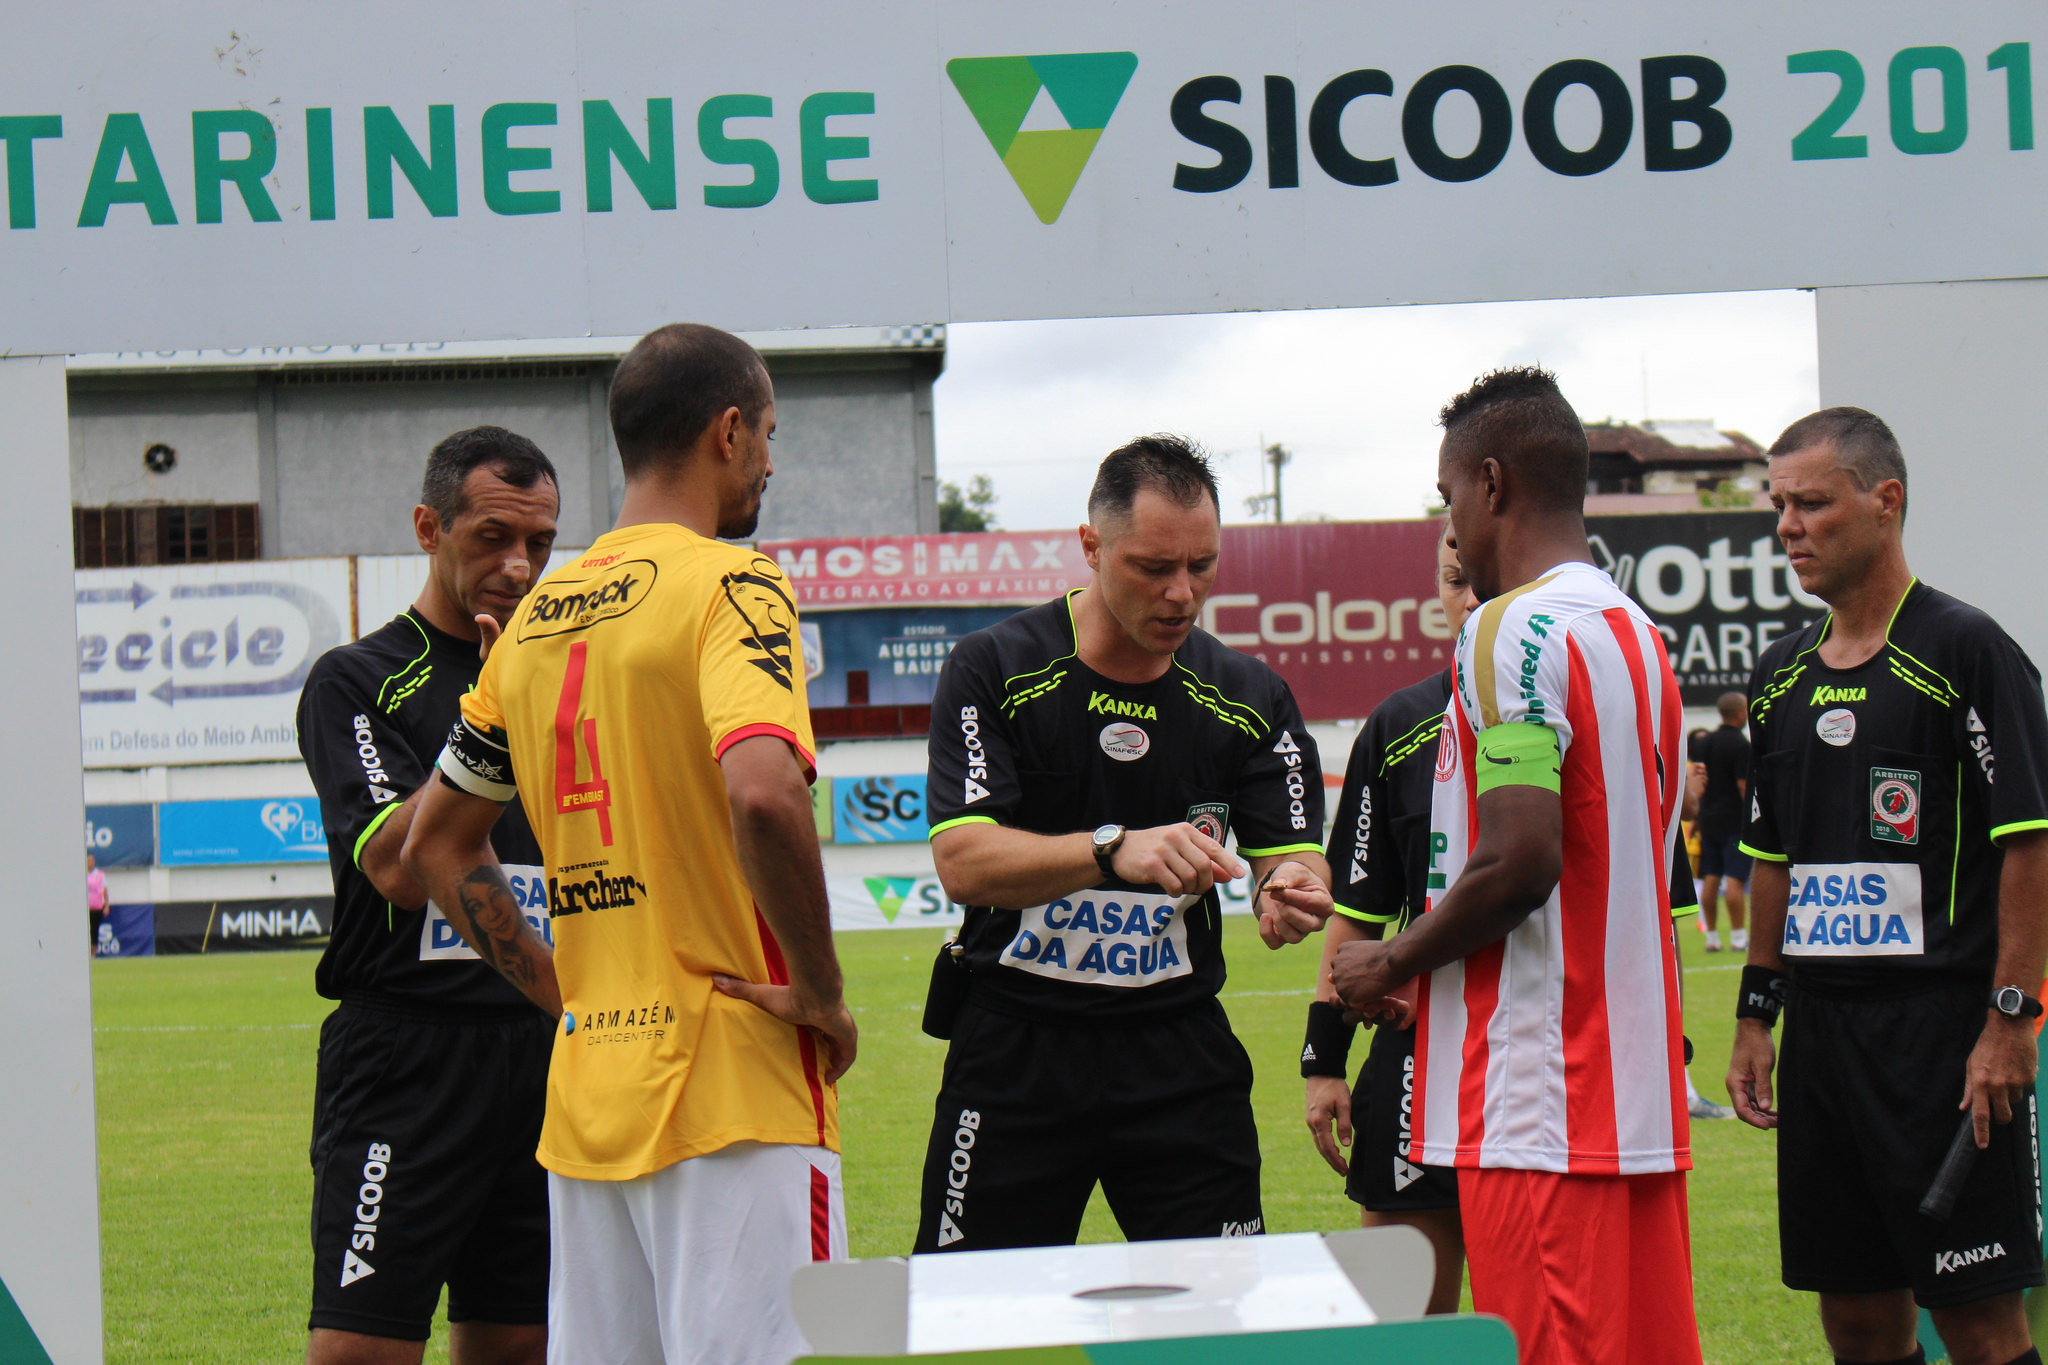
x=1277 y=456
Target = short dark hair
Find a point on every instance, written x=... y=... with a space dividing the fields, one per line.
x=1172 y=465
x=1519 y=417
x=1860 y=440
x=674 y=382
x=507 y=454
x=1731 y=705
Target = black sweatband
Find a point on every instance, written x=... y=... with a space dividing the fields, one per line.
x=1327 y=1049
x=1762 y=995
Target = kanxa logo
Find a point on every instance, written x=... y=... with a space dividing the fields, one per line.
x=1044 y=115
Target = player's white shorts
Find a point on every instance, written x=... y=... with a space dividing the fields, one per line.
x=690 y=1265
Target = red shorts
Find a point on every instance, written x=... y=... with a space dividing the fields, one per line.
x=1588 y=1269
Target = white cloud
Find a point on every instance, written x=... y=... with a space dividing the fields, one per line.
x=1353 y=393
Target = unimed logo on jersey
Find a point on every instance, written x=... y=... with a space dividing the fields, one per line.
x=1854 y=910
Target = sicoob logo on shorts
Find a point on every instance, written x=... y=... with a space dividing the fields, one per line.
x=1895 y=805
x=561 y=605
x=1124 y=742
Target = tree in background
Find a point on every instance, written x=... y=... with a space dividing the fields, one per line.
x=973 y=510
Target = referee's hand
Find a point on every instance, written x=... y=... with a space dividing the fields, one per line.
x=1293 y=903
x=1749 y=1074
x=1329 y=1106
x=1178 y=859
x=832 y=1023
x=2000 y=1072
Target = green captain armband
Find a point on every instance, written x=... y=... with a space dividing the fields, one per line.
x=1520 y=754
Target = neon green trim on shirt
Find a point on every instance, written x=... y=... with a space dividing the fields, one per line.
x=1348 y=913
x=945 y=825
x=2016 y=828
x=1519 y=754
x=1284 y=848
x=356 y=855
x=1759 y=853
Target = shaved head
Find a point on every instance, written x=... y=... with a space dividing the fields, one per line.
x=1519 y=418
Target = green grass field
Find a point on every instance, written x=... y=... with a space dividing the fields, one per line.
x=205 y=1071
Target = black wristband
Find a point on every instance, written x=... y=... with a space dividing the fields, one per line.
x=1762 y=995
x=1327 y=1050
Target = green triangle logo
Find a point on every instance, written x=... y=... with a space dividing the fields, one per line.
x=18 y=1342
x=1077 y=89
x=889 y=894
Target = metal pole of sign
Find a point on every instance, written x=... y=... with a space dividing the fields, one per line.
x=49 y=1183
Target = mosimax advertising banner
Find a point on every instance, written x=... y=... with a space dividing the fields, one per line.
x=966 y=568
x=217 y=833
x=242 y=926
x=900 y=649
x=201 y=663
x=178 y=179
x=1717 y=584
x=121 y=836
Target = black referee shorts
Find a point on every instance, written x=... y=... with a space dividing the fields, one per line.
x=1032 y=1115
x=1867 y=1095
x=424 y=1131
x=1382 y=1177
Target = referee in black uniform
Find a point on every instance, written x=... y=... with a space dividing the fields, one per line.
x=1379 y=863
x=433 y=1070
x=1899 y=902
x=1088 y=757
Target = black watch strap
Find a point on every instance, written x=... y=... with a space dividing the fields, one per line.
x=1105 y=856
x=2028 y=1008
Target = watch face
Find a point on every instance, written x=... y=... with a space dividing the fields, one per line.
x=2010 y=1000
x=1105 y=833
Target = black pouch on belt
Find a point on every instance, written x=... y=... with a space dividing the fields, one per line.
x=948 y=991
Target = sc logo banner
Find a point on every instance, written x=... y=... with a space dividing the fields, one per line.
x=879 y=810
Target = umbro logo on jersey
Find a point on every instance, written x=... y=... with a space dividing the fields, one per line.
x=1405 y=1174
x=353 y=1268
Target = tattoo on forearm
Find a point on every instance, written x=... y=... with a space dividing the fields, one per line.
x=493 y=924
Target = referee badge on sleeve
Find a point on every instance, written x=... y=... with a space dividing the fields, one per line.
x=1895 y=805
x=1210 y=817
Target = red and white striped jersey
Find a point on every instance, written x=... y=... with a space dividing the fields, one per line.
x=1558 y=1048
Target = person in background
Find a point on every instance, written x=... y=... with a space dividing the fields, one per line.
x=95 y=898
x=1724 y=868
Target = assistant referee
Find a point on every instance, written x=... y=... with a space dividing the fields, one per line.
x=1899 y=908
x=1379 y=858
x=1087 y=1042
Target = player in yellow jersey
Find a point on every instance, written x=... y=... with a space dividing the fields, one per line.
x=647 y=701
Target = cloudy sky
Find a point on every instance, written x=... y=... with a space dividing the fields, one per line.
x=1353 y=393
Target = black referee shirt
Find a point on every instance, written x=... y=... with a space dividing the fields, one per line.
x=372 y=719
x=1886 y=788
x=1379 y=846
x=1026 y=735
x=1726 y=755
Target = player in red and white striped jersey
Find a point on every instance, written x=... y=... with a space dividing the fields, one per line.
x=1549 y=1061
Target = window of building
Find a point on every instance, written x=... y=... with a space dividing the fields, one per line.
x=124 y=537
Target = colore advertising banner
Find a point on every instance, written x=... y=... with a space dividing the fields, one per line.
x=201 y=663
x=789 y=164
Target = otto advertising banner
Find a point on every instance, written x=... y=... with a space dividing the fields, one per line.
x=214 y=833
x=981 y=568
x=201 y=664
x=1717 y=584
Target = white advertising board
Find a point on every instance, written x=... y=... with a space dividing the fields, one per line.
x=202 y=664
x=179 y=178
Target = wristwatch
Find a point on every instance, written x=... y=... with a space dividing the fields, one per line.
x=1108 y=839
x=2012 y=1002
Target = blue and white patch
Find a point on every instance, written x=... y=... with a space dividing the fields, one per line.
x=1104 y=938
x=1854 y=910
x=441 y=942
